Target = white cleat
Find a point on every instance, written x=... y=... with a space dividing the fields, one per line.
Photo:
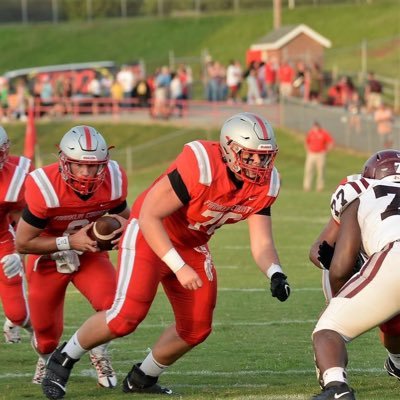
x=11 y=332
x=106 y=376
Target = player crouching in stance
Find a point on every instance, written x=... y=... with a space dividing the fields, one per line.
x=371 y=296
x=63 y=199
x=166 y=241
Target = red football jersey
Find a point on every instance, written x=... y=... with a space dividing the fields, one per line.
x=214 y=198
x=48 y=197
x=11 y=197
x=23 y=162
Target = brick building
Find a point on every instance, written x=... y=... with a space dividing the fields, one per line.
x=290 y=43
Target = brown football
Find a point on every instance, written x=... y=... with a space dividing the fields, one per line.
x=103 y=232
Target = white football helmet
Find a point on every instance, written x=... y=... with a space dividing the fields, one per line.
x=244 y=136
x=4 y=146
x=83 y=145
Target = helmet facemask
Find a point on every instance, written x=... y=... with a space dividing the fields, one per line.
x=4 y=150
x=82 y=185
x=252 y=165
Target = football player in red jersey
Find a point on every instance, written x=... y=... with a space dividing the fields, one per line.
x=63 y=199
x=12 y=291
x=166 y=241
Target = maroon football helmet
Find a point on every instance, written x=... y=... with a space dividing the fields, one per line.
x=381 y=164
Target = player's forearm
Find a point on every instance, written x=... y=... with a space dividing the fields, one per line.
x=155 y=234
x=38 y=245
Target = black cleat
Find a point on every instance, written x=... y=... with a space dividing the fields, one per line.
x=336 y=391
x=391 y=369
x=58 y=369
x=138 y=382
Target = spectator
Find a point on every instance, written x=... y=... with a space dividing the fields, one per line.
x=177 y=97
x=299 y=80
x=271 y=70
x=316 y=83
x=373 y=93
x=63 y=199
x=233 y=80
x=47 y=96
x=253 y=87
x=127 y=80
x=117 y=95
x=208 y=185
x=162 y=93
x=142 y=93
x=4 y=105
x=317 y=144
x=285 y=77
x=21 y=100
x=383 y=117
x=94 y=90
x=354 y=110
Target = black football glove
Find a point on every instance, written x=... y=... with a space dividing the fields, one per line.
x=325 y=254
x=279 y=286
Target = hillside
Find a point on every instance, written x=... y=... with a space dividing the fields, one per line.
x=225 y=36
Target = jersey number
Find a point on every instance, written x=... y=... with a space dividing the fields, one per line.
x=218 y=219
x=74 y=226
x=339 y=199
x=394 y=207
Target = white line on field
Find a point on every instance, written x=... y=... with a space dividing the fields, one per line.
x=208 y=373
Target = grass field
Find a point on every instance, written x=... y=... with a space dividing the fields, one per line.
x=226 y=36
x=260 y=348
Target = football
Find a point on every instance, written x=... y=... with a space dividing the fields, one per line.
x=103 y=232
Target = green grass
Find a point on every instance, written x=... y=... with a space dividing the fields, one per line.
x=226 y=36
x=260 y=348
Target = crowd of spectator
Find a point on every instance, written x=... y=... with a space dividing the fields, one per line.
x=165 y=91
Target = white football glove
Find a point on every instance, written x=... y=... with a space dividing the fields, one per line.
x=67 y=261
x=12 y=265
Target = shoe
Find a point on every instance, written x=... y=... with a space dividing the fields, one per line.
x=58 y=369
x=138 y=382
x=11 y=332
x=391 y=369
x=105 y=374
x=336 y=391
x=39 y=372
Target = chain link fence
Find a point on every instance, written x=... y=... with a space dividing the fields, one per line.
x=28 y=11
x=299 y=116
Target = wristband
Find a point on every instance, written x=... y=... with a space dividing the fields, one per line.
x=173 y=260
x=62 y=243
x=272 y=269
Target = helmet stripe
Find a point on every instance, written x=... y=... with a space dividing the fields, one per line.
x=263 y=127
x=88 y=138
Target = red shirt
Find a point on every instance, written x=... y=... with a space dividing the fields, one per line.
x=318 y=140
x=11 y=199
x=48 y=197
x=214 y=198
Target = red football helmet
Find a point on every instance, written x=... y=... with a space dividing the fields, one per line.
x=83 y=145
x=4 y=146
x=381 y=164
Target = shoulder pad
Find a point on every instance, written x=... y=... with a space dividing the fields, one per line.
x=345 y=194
